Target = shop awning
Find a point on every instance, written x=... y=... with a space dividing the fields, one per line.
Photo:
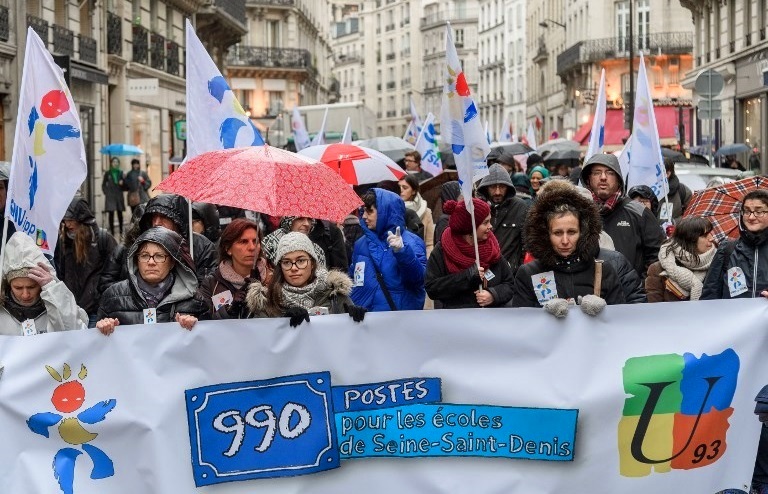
x=666 y=121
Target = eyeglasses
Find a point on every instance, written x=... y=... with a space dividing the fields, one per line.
x=409 y=160
x=757 y=214
x=600 y=173
x=158 y=258
x=299 y=263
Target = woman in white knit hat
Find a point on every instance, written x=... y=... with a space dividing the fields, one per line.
x=34 y=300
x=300 y=286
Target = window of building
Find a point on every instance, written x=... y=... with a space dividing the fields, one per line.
x=60 y=12
x=622 y=25
x=643 y=24
x=459 y=38
x=273 y=33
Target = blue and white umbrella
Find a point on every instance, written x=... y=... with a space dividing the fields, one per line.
x=121 y=150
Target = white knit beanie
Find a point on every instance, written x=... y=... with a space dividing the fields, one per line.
x=292 y=242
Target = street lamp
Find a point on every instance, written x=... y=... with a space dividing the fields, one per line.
x=545 y=23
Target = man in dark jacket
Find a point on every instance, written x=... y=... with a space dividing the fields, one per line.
x=679 y=194
x=507 y=213
x=634 y=229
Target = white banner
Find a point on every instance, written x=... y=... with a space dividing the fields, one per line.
x=432 y=401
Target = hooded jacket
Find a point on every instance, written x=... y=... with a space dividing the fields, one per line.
x=679 y=195
x=334 y=296
x=402 y=272
x=574 y=276
x=634 y=229
x=176 y=208
x=209 y=215
x=124 y=300
x=750 y=253
x=507 y=217
x=61 y=310
x=83 y=279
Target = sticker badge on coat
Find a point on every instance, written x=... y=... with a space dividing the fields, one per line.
x=221 y=299
x=359 y=274
x=666 y=211
x=489 y=275
x=28 y=327
x=544 y=286
x=150 y=316
x=737 y=282
x=318 y=311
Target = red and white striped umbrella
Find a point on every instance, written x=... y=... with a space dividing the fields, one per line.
x=356 y=165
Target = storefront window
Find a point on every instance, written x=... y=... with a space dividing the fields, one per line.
x=752 y=123
x=145 y=125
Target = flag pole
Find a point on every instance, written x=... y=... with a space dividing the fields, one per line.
x=474 y=241
x=2 y=250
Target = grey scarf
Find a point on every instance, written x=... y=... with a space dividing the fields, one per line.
x=154 y=294
x=306 y=295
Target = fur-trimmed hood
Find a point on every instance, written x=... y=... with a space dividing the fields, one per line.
x=337 y=283
x=537 y=228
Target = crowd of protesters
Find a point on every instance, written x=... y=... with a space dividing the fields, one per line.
x=546 y=237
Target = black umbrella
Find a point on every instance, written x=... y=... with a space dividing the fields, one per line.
x=567 y=155
x=675 y=156
x=513 y=148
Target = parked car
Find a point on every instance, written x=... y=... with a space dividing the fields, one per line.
x=700 y=176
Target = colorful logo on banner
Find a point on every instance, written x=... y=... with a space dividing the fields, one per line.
x=296 y=425
x=67 y=398
x=676 y=417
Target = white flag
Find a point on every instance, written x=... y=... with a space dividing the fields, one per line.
x=415 y=118
x=48 y=163
x=300 y=136
x=319 y=138
x=488 y=133
x=624 y=159
x=646 y=165
x=597 y=138
x=410 y=133
x=346 y=137
x=428 y=148
x=531 y=137
x=505 y=135
x=215 y=119
x=460 y=123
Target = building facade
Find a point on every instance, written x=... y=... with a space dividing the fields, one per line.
x=348 y=47
x=491 y=53
x=730 y=38
x=515 y=56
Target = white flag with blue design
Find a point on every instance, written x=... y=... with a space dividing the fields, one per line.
x=646 y=165
x=48 y=164
x=428 y=148
x=460 y=123
x=319 y=138
x=300 y=135
x=415 y=118
x=530 y=136
x=505 y=135
x=488 y=136
x=215 y=118
x=597 y=137
x=410 y=135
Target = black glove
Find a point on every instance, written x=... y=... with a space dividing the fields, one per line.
x=356 y=312
x=297 y=315
x=237 y=305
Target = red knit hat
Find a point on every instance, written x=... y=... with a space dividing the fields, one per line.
x=461 y=221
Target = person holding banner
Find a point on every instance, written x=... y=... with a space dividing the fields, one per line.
x=562 y=232
x=34 y=300
x=301 y=286
x=453 y=275
x=388 y=262
x=161 y=285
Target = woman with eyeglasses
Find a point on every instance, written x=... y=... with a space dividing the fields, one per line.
x=161 y=285
x=740 y=268
x=301 y=287
x=241 y=260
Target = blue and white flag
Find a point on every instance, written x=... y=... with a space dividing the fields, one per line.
x=415 y=118
x=505 y=134
x=488 y=133
x=48 y=164
x=319 y=138
x=460 y=123
x=597 y=137
x=215 y=119
x=300 y=135
x=427 y=146
x=530 y=136
x=346 y=137
x=624 y=159
x=646 y=165
x=411 y=134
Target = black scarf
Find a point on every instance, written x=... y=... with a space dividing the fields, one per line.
x=154 y=294
x=754 y=239
x=23 y=312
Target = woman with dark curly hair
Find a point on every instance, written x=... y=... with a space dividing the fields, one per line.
x=562 y=231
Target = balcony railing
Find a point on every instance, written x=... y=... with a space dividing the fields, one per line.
x=40 y=26
x=441 y=17
x=262 y=56
x=63 y=40
x=140 y=44
x=279 y=3
x=594 y=50
x=114 y=34
x=5 y=31
x=172 y=62
x=157 y=51
x=88 y=49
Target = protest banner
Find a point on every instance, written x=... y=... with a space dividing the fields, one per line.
x=643 y=398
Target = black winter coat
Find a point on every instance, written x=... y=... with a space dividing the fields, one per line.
x=83 y=279
x=750 y=253
x=215 y=284
x=125 y=302
x=633 y=288
x=330 y=238
x=457 y=290
x=635 y=232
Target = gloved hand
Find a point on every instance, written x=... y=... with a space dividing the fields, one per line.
x=238 y=303
x=395 y=240
x=356 y=312
x=558 y=307
x=297 y=315
x=592 y=305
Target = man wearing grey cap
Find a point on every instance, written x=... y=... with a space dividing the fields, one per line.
x=633 y=228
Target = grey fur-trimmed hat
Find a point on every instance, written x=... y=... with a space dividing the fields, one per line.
x=292 y=242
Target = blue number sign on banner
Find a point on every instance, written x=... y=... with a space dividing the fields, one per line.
x=257 y=429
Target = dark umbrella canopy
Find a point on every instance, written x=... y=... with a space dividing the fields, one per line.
x=512 y=148
x=567 y=156
x=675 y=156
